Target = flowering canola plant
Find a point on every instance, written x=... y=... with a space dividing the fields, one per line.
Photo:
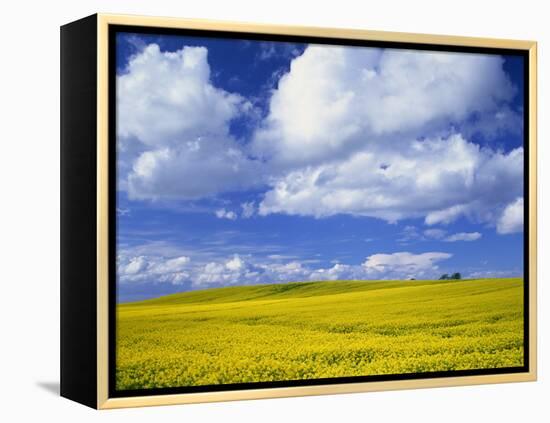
x=312 y=330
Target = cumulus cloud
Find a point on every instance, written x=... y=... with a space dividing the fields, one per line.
x=404 y=264
x=337 y=99
x=173 y=128
x=152 y=269
x=163 y=95
x=225 y=272
x=367 y=132
x=463 y=236
x=511 y=220
x=246 y=270
x=340 y=271
x=235 y=264
x=225 y=214
x=439 y=179
x=370 y=132
x=235 y=269
x=135 y=265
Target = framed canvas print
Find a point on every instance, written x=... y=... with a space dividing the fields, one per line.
x=258 y=211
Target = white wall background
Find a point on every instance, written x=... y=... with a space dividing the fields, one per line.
x=29 y=235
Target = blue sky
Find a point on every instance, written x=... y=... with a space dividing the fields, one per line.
x=243 y=162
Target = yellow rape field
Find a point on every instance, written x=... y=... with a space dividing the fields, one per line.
x=311 y=330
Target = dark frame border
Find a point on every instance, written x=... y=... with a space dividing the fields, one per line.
x=112 y=168
x=78 y=211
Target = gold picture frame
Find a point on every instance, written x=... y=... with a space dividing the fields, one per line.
x=98 y=27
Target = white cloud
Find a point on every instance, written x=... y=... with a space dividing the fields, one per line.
x=445 y=216
x=366 y=132
x=172 y=265
x=339 y=271
x=404 y=264
x=409 y=233
x=135 y=265
x=155 y=269
x=281 y=256
x=214 y=273
x=439 y=179
x=173 y=128
x=494 y=274
x=463 y=236
x=163 y=96
x=235 y=263
x=196 y=271
x=225 y=214
x=360 y=131
x=225 y=272
x=435 y=233
x=511 y=220
x=195 y=169
x=248 y=209
x=338 y=99
x=269 y=50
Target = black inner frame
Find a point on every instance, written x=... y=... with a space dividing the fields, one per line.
x=112 y=171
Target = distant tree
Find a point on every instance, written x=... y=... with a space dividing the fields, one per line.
x=456 y=276
x=444 y=277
